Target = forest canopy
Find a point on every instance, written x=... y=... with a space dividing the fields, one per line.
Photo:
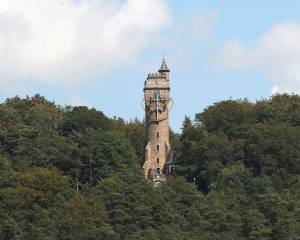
x=73 y=173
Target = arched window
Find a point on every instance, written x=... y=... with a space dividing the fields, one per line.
x=158 y=170
x=157 y=134
x=157 y=147
x=157 y=160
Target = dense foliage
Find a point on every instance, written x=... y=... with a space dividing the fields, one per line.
x=72 y=173
x=245 y=157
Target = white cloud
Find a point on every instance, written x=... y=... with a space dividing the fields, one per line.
x=203 y=24
x=64 y=42
x=276 y=54
x=193 y=34
x=234 y=55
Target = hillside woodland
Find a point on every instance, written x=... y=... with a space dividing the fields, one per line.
x=73 y=173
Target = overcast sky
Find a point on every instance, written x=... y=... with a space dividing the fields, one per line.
x=99 y=52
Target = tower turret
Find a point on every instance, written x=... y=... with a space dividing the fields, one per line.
x=164 y=70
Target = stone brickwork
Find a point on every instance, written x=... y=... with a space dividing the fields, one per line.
x=158 y=155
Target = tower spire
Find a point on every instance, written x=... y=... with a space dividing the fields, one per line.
x=164 y=67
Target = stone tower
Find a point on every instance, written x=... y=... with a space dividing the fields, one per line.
x=158 y=155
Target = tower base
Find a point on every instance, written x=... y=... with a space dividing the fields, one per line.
x=157 y=179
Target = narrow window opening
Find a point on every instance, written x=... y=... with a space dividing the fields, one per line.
x=158 y=170
x=157 y=134
x=157 y=147
x=157 y=160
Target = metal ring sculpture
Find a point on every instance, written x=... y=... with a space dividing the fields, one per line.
x=169 y=105
x=158 y=100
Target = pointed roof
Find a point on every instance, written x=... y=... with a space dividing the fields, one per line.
x=164 y=67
